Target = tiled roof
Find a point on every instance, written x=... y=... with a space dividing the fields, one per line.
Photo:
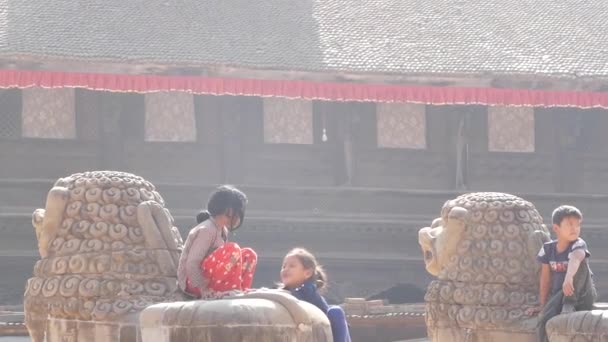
x=546 y=37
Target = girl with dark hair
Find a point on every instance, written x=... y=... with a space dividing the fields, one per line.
x=304 y=278
x=209 y=263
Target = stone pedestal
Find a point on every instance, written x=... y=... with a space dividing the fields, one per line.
x=469 y=335
x=267 y=316
x=65 y=330
x=581 y=326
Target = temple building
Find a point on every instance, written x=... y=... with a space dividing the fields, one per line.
x=345 y=120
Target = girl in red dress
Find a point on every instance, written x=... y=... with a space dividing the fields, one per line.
x=209 y=263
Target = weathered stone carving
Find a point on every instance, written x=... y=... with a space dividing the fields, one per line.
x=482 y=250
x=262 y=315
x=581 y=326
x=109 y=249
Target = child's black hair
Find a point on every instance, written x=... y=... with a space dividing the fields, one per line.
x=224 y=198
x=563 y=211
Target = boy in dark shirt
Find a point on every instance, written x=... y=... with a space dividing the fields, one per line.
x=565 y=280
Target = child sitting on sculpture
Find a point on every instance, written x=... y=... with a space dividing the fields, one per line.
x=566 y=283
x=304 y=278
x=209 y=264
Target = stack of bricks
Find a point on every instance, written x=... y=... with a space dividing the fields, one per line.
x=358 y=309
x=375 y=320
x=362 y=307
x=11 y=323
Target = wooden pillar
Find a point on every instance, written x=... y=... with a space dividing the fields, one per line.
x=348 y=148
x=208 y=120
x=569 y=165
x=457 y=133
x=476 y=142
x=337 y=122
x=447 y=128
x=10 y=113
x=440 y=135
x=546 y=134
x=121 y=122
x=110 y=145
x=230 y=108
x=364 y=137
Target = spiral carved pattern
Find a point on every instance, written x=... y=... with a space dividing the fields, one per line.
x=103 y=205
x=80 y=229
x=130 y=196
x=492 y=277
x=70 y=247
x=118 y=232
x=50 y=287
x=69 y=286
x=60 y=265
x=103 y=309
x=111 y=196
x=99 y=265
x=89 y=288
x=34 y=287
x=93 y=195
x=128 y=215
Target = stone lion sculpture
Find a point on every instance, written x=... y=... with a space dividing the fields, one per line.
x=262 y=315
x=108 y=249
x=482 y=250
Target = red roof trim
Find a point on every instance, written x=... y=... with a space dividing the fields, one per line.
x=303 y=89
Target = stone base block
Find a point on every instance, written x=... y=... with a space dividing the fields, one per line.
x=61 y=330
x=581 y=326
x=269 y=316
x=479 y=335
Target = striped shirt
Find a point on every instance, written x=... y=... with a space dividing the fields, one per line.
x=202 y=240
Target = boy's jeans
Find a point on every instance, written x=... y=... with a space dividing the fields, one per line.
x=583 y=299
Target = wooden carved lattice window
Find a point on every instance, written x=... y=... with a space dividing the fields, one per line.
x=288 y=121
x=510 y=129
x=170 y=117
x=401 y=125
x=48 y=113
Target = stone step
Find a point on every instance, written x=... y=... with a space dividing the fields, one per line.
x=357 y=239
x=11 y=316
x=294 y=216
x=313 y=201
x=600 y=306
